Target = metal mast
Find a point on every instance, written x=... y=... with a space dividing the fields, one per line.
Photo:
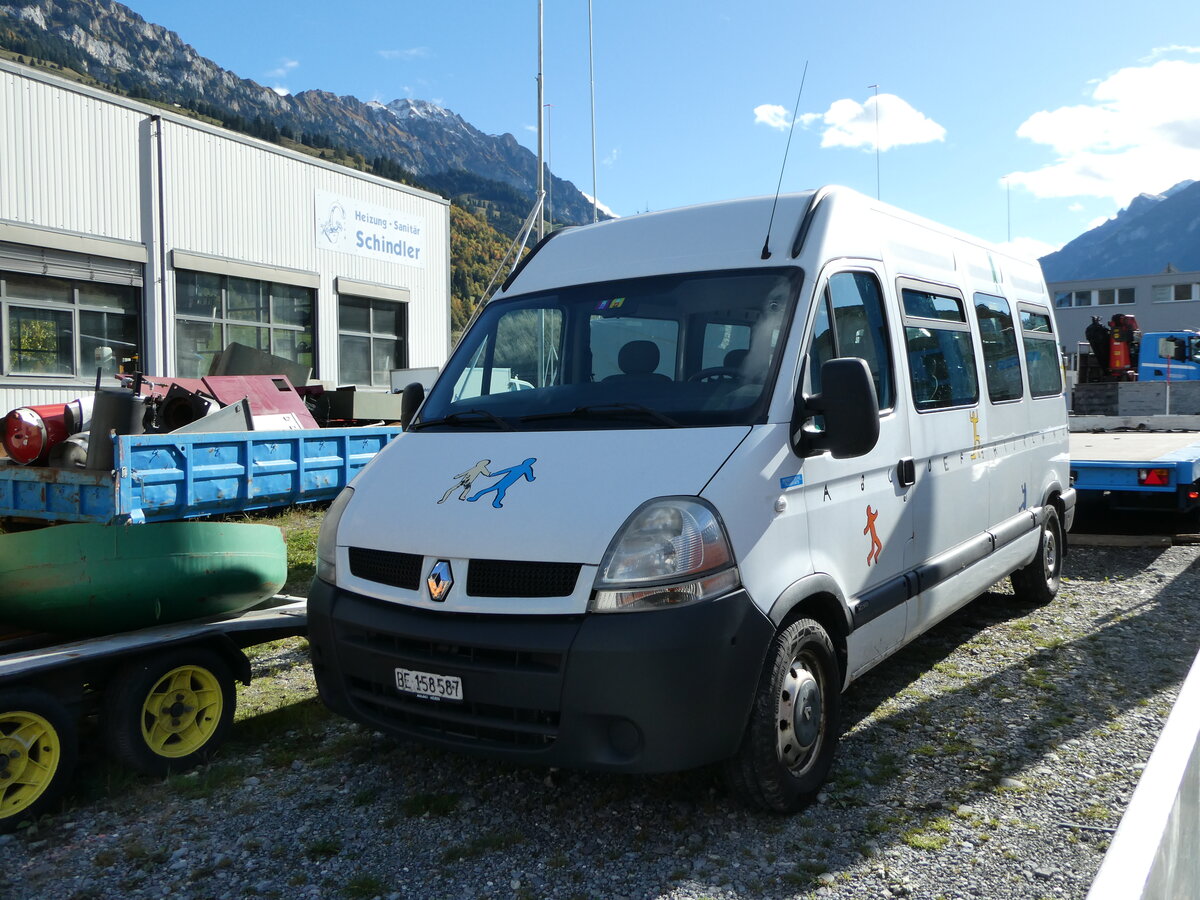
x=541 y=181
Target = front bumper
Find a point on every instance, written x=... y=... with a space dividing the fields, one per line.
x=634 y=692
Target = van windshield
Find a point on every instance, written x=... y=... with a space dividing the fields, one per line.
x=668 y=351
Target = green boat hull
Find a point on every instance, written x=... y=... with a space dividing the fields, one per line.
x=90 y=580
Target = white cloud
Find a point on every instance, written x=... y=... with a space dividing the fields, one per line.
x=284 y=69
x=771 y=115
x=1075 y=207
x=1159 y=52
x=1097 y=222
x=611 y=159
x=409 y=54
x=1028 y=248
x=281 y=91
x=849 y=123
x=1140 y=133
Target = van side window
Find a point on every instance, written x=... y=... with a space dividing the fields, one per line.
x=1001 y=362
x=850 y=323
x=941 y=360
x=1041 y=352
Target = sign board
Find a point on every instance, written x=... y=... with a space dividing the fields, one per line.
x=364 y=229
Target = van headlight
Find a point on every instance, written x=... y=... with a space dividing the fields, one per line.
x=670 y=552
x=327 y=539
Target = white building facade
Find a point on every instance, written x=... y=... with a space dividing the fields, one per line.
x=1169 y=301
x=137 y=239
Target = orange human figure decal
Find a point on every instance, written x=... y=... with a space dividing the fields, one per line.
x=876 y=544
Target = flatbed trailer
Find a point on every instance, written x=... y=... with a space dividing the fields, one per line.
x=1138 y=470
x=164 y=697
x=168 y=477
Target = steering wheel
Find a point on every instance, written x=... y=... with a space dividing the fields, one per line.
x=717 y=373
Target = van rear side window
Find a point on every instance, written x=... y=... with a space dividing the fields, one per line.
x=1041 y=353
x=941 y=359
x=1001 y=362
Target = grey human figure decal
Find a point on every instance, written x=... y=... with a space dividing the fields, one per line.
x=512 y=475
x=466 y=479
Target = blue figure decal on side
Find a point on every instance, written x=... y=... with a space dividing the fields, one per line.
x=508 y=477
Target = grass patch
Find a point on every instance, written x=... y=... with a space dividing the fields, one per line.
x=204 y=782
x=323 y=848
x=433 y=805
x=363 y=886
x=488 y=842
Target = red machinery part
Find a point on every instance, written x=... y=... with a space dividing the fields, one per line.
x=30 y=432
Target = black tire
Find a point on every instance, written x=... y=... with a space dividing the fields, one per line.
x=39 y=746
x=169 y=712
x=1037 y=583
x=792 y=734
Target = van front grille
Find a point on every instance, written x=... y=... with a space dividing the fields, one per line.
x=402 y=570
x=504 y=578
x=485 y=577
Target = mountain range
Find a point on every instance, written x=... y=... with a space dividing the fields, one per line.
x=1155 y=231
x=490 y=178
x=412 y=140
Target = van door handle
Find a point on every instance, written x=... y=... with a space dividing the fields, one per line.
x=906 y=472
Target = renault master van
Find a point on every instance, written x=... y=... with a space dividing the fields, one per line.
x=676 y=490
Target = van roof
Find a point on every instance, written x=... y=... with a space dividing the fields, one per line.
x=731 y=234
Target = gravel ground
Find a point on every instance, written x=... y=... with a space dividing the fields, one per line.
x=991 y=759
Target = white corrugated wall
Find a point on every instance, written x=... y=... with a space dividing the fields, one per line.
x=231 y=200
x=70 y=162
x=81 y=162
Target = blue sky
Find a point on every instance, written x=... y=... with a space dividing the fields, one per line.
x=1031 y=119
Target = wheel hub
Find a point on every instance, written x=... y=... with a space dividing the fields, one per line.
x=180 y=713
x=800 y=716
x=13 y=756
x=1050 y=553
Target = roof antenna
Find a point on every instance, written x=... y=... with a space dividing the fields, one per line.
x=766 y=250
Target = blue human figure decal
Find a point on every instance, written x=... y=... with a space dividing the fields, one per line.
x=511 y=476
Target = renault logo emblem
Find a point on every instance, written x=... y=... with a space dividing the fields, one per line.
x=440 y=580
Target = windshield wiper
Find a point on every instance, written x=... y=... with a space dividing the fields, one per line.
x=466 y=417
x=605 y=410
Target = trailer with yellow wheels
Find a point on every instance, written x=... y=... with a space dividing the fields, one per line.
x=164 y=698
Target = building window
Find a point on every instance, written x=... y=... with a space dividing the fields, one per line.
x=1062 y=299
x=214 y=311
x=1173 y=293
x=1124 y=295
x=65 y=327
x=1083 y=298
x=372 y=340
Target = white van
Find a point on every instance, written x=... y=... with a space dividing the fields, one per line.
x=734 y=479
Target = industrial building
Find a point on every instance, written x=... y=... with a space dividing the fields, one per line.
x=137 y=239
x=1169 y=301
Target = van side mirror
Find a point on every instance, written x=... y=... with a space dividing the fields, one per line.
x=411 y=399
x=849 y=406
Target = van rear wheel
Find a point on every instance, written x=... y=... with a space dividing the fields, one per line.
x=1038 y=582
x=790 y=739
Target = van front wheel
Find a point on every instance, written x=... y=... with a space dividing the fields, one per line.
x=790 y=739
x=1037 y=583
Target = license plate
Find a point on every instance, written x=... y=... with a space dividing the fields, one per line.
x=426 y=684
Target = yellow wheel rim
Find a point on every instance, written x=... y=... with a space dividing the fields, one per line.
x=30 y=750
x=182 y=711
